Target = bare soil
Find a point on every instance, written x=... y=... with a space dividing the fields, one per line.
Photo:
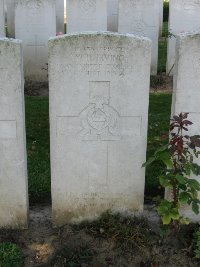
x=89 y=245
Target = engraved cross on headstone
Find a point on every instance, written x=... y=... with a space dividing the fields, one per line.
x=99 y=122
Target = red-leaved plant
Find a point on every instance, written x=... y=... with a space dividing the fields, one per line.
x=178 y=157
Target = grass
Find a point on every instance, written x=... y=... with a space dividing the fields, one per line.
x=38 y=148
x=10 y=255
x=162 y=49
x=37 y=124
x=159 y=118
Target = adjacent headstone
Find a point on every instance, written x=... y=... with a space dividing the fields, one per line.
x=161 y=17
x=141 y=17
x=184 y=16
x=86 y=15
x=13 y=166
x=186 y=95
x=60 y=16
x=10 y=7
x=35 y=23
x=113 y=6
x=99 y=93
x=2 y=19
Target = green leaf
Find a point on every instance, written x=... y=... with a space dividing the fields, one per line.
x=195 y=207
x=194 y=184
x=185 y=221
x=164 y=181
x=162 y=148
x=181 y=179
x=184 y=197
x=174 y=214
x=166 y=219
x=165 y=157
x=149 y=162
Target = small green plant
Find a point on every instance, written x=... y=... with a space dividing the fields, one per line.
x=197 y=243
x=10 y=255
x=178 y=158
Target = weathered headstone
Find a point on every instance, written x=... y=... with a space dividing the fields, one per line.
x=35 y=23
x=60 y=16
x=86 y=15
x=99 y=91
x=10 y=7
x=113 y=6
x=13 y=167
x=2 y=19
x=186 y=95
x=141 y=17
x=184 y=16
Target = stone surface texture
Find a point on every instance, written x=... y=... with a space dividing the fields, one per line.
x=60 y=16
x=86 y=15
x=13 y=165
x=184 y=16
x=99 y=95
x=186 y=96
x=10 y=7
x=35 y=23
x=113 y=6
x=2 y=19
x=141 y=17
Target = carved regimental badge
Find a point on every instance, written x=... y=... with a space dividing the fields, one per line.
x=88 y=5
x=99 y=120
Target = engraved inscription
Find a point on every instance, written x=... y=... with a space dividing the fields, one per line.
x=99 y=120
x=88 y=6
x=139 y=27
x=102 y=61
x=8 y=130
x=137 y=3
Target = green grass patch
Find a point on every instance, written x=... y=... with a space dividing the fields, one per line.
x=162 y=55
x=10 y=255
x=159 y=119
x=38 y=148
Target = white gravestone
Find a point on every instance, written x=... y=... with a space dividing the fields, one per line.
x=35 y=23
x=2 y=19
x=60 y=16
x=99 y=94
x=113 y=6
x=13 y=166
x=141 y=17
x=186 y=95
x=86 y=15
x=184 y=16
x=161 y=17
x=10 y=7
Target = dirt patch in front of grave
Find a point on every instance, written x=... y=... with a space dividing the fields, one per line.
x=112 y=240
x=36 y=88
x=160 y=83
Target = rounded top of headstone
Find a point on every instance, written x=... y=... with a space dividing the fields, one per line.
x=93 y=34
x=10 y=40
x=188 y=34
